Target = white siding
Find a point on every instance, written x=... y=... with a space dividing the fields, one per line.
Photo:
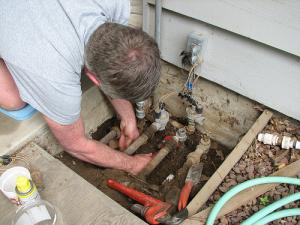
x=263 y=72
x=272 y=22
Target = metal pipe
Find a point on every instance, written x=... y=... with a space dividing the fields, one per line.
x=113 y=134
x=160 y=124
x=158 y=9
x=195 y=156
x=149 y=132
x=158 y=158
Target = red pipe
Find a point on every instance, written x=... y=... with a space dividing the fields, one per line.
x=140 y=197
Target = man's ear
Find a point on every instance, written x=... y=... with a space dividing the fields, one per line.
x=92 y=77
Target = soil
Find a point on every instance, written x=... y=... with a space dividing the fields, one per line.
x=259 y=160
x=98 y=176
x=262 y=160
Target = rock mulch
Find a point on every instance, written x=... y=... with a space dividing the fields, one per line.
x=262 y=160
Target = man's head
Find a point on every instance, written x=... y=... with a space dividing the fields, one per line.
x=125 y=60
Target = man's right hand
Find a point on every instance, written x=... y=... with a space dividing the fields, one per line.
x=139 y=162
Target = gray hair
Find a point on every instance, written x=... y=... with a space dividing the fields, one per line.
x=126 y=61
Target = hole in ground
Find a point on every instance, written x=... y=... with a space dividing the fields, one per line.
x=98 y=176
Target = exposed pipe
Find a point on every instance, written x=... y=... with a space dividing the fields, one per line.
x=194 y=118
x=163 y=152
x=161 y=120
x=113 y=134
x=195 y=156
x=158 y=9
x=149 y=132
x=275 y=139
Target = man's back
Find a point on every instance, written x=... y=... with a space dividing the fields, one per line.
x=42 y=43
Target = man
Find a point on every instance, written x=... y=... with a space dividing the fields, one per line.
x=44 y=45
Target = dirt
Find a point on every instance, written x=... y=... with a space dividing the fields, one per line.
x=98 y=176
x=104 y=128
x=261 y=160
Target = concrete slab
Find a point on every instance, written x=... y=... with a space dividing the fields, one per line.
x=15 y=134
x=77 y=200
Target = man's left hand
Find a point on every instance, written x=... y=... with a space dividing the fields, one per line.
x=129 y=133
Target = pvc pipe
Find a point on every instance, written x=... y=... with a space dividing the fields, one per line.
x=141 y=139
x=274 y=139
x=195 y=156
x=158 y=158
x=278 y=215
x=247 y=184
x=158 y=9
x=270 y=208
x=113 y=134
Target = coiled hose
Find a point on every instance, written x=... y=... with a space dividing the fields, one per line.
x=262 y=215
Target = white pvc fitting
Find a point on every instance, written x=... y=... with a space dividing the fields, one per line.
x=268 y=139
x=8 y=181
x=162 y=121
x=287 y=142
x=169 y=178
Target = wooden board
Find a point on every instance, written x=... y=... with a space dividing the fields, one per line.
x=78 y=201
x=216 y=179
x=245 y=196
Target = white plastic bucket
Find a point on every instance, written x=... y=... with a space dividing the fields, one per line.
x=8 y=181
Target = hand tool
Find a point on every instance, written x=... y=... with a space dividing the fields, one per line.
x=154 y=210
x=192 y=178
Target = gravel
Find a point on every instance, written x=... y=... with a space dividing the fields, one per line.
x=261 y=160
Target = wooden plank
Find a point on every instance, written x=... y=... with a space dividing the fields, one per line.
x=256 y=19
x=245 y=196
x=236 y=154
x=77 y=200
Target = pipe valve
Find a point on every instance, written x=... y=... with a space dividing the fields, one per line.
x=194 y=118
x=180 y=135
x=140 y=110
x=162 y=117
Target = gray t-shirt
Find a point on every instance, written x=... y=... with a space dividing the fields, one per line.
x=42 y=43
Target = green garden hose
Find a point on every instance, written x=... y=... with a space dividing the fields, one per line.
x=270 y=208
x=250 y=183
x=278 y=215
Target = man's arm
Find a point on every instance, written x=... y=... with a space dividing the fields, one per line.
x=74 y=141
